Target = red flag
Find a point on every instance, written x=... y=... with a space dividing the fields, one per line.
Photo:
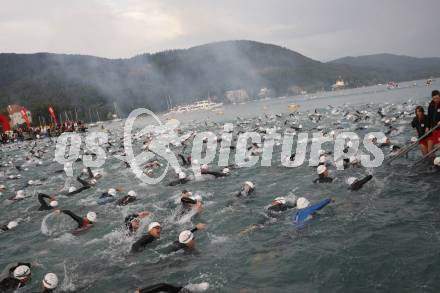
x=25 y=117
x=52 y=114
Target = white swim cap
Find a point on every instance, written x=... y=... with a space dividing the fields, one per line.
x=93 y=181
x=30 y=182
x=21 y=272
x=351 y=180
x=12 y=225
x=302 y=203
x=2 y=186
x=202 y=287
x=226 y=171
x=112 y=191
x=53 y=203
x=186 y=236
x=437 y=161
x=204 y=167
x=91 y=216
x=353 y=159
x=250 y=184
x=321 y=169
x=72 y=189
x=153 y=225
x=20 y=194
x=197 y=197
x=414 y=139
x=182 y=175
x=280 y=200
x=50 y=281
x=371 y=137
x=132 y=193
x=321 y=152
x=383 y=140
x=350 y=144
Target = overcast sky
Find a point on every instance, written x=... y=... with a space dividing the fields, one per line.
x=323 y=30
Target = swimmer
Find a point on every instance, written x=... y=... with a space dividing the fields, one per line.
x=153 y=234
x=186 y=240
x=356 y=184
x=167 y=288
x=306 y=210
x=278 y=206
x=8 y=227
x=129 y=198
x=84 y=222
x=44 y=206
x=15 y=276
x=323 y=175
x=132 y=222
x=49 y=283
x=246 y=190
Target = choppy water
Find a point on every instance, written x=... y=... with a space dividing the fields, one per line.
x=383 y=238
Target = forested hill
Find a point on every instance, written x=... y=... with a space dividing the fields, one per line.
x=85 y=82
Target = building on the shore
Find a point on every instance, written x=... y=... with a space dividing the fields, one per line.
x=339 y=84
x=15 y=116
x=237 y=96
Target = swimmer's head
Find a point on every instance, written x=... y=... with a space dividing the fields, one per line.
x=91 y=216
x=50 y=281
x=22 y=273
x=279 y=201
x=302 y=203
x=186 y=238
x=53 y=203
x=12 y=225
x=154 y=229
x=351 y=180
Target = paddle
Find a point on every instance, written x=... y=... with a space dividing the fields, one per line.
x=411 y=146
x=427 y=155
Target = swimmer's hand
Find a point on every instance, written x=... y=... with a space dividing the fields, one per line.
x=199 y=206
x=144 y=214
x=201 y=226
x=249 y=229
x=57 y=211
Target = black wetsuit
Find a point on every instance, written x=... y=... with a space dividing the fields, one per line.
x=216 y=174
x=4 y=228
x=126 y=200
x=85 y=186
x=278 y=208
x=178 y=181
x=140 y=244
x=243 y=193
x=433 y=114
x=44 y=205
x=9 y=284
x=163 y=287
x=420 y=125
x=359 y=183
x=179 y=246
x=323 y=180
x=81 y=221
